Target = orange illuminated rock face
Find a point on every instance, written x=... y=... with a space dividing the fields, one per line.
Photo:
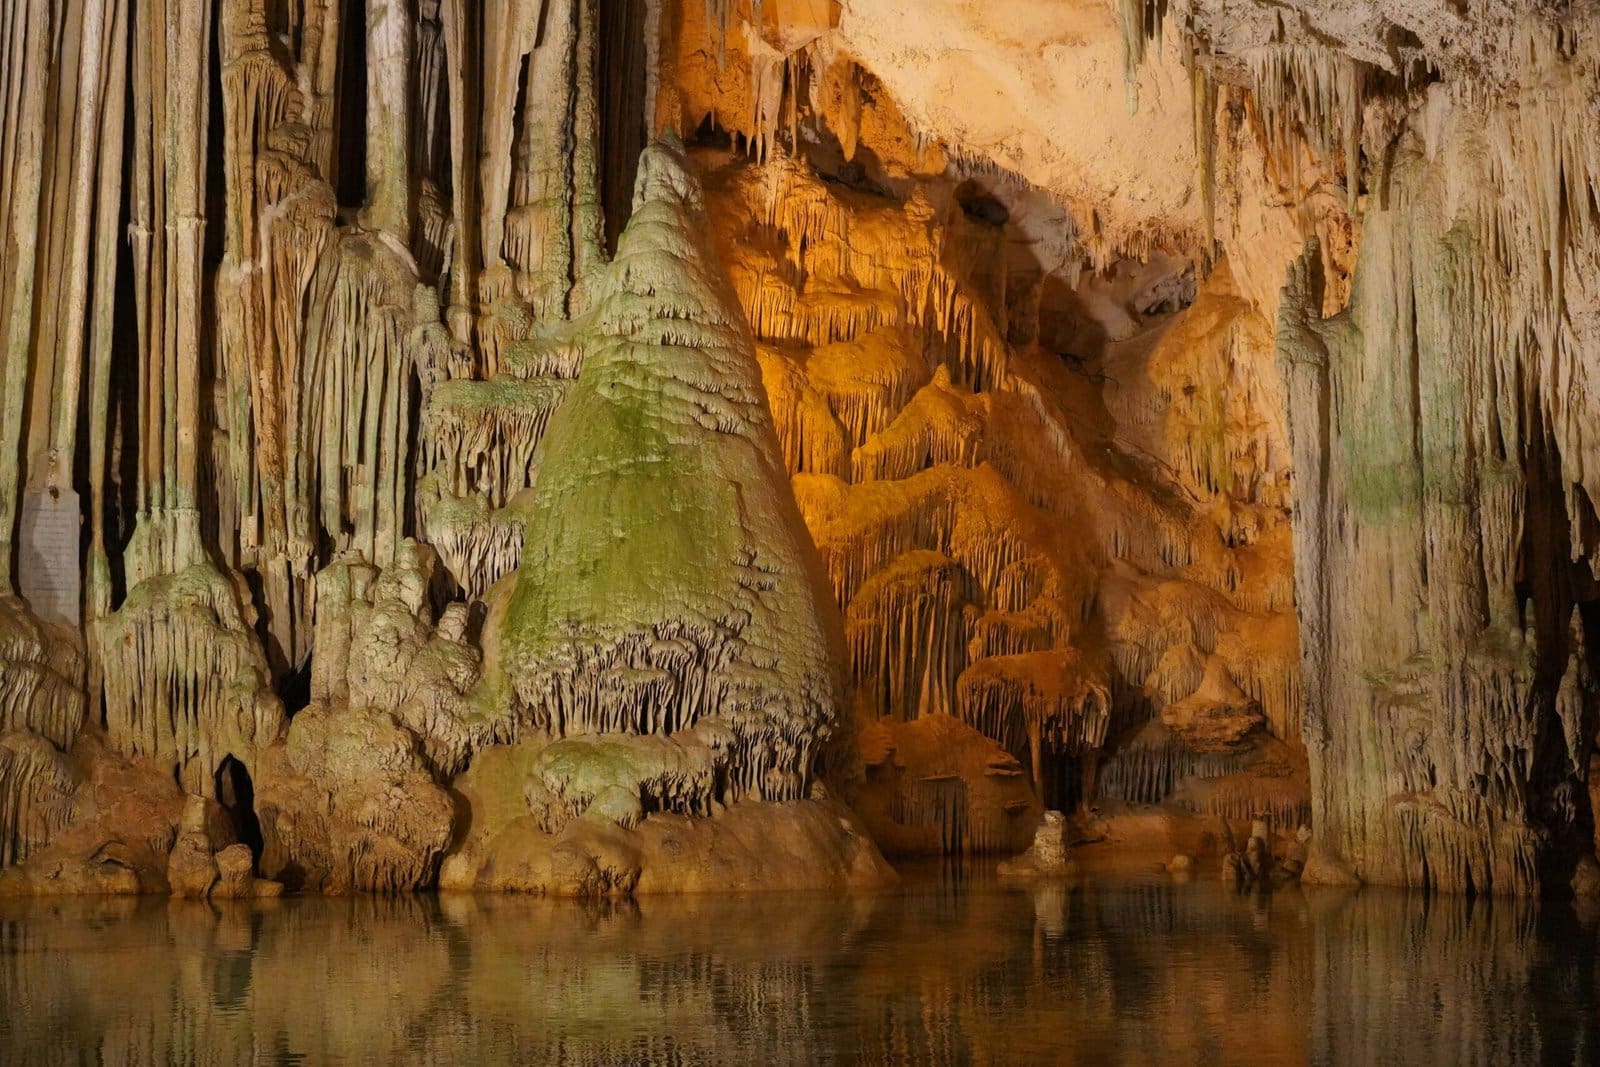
x=1050 y=546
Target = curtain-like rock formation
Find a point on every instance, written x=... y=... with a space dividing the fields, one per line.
x=1439 y=468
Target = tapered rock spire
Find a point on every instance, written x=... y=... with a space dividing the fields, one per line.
x=667 y=578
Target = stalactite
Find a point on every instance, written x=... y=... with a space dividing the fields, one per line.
x=431 y=129
x=988 y=511
x=906 y=631
x=186 y=681
x=936 y=785
x=539 y=226
x=481 y=436
x=352 y=473
x=843 y=293
x=935 y=428
x=1038 y=703
x=479 y=546
x=877 y=332
x=186 y=684
x=588 y=219
x=1314 y=93
x=279 y=218
x=1203 y=101
x=1146 y=770
x=809 y=433
x=1141 y=23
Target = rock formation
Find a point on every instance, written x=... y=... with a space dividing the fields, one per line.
x=611 y=445
x=665 y=644
x=666 y=582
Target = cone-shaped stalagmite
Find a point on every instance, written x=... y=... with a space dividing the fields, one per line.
x=667 y=577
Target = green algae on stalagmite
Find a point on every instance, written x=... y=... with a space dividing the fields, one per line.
x=666 y=575
x=668 y=643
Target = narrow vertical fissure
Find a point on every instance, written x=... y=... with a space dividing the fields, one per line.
x=623 y=80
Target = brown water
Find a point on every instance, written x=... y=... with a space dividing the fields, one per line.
x=951 y=969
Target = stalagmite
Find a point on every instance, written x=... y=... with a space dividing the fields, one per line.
x=665 y=576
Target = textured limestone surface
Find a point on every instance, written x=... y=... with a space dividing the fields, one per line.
x=667 y=582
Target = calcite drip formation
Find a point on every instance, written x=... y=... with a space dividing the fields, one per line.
x=458 y=491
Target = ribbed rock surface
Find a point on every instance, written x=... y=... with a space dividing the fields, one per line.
x=666 y=577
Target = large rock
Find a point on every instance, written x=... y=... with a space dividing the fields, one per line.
x=346 y=803
x=570 y=822
x=122 y=819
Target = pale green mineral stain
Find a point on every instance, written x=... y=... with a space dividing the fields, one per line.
x=661 y=499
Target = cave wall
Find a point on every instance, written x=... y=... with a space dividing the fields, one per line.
x=1042 y=454
x=1443 y=487
x=326 y=365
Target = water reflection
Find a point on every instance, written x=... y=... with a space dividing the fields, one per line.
x=950 y=970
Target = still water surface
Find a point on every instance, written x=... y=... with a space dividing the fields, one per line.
x=953 y=968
